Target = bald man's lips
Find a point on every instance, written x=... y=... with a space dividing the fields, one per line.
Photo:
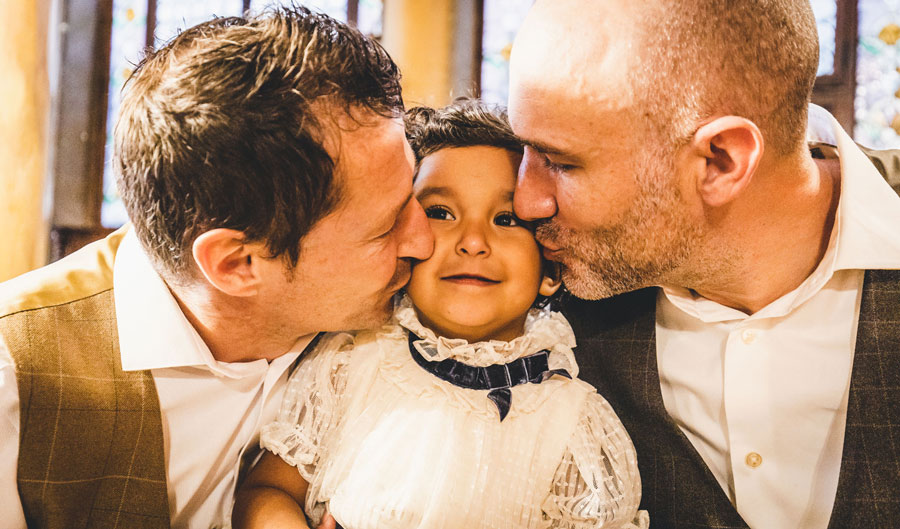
x=552 y=255
x=548 y=247
x=545 y=238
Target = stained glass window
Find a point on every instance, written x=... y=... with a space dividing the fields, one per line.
x=877 y=102
x=333 y=8
x=502 y=19
x=173 y=16
x=826 y=20
x=369 y=17
x=129 y=36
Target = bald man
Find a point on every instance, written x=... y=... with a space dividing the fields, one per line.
x=746 y=326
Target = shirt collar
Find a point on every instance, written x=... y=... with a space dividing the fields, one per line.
x=864 y=235
x=869 y=211
x=153 y=331
x=820 y=126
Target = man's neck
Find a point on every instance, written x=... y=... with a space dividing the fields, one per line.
x=777 y=237
x=233 y=331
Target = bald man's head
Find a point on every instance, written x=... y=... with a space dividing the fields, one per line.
x=677 y=63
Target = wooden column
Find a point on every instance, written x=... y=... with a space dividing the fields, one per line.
x=419 y=36
x=24 y=115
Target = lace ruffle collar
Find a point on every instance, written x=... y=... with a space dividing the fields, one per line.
x=544 y=329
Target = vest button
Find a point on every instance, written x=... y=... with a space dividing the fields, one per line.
x=753 y=460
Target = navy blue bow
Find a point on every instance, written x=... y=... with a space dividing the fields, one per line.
x=496 y=378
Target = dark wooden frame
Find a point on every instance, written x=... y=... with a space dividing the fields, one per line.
x=80 y=123
x=466 y=53
x=836 y=92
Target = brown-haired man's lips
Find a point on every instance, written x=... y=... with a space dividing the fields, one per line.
x=401 y=277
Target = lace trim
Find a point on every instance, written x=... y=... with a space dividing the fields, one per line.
x=397 y=367
x=544 y=329
x=597 y=483
x=288 y=442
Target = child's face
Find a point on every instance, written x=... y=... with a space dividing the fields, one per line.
x=485 y=272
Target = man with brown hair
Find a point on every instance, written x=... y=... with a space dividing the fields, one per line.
x=265 y=169
x=666 y=146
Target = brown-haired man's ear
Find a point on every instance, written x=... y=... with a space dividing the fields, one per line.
x=228 y=262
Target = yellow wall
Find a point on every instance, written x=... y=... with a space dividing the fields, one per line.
x=24 y=93
x=419 y=36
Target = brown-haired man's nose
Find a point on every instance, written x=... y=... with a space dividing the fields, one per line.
x=416 y=237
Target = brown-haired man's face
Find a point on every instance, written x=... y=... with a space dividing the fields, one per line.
x=355 y=259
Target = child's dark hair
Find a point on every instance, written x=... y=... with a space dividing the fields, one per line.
x=463 y=123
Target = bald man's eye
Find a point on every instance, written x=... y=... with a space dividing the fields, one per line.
x=556 y=167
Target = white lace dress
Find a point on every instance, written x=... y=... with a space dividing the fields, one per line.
x=385 y=444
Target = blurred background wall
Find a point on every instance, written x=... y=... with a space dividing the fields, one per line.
x=24 y=116
x=63 y=64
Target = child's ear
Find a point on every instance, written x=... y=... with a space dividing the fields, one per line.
x=552 y=278
x=549 y=285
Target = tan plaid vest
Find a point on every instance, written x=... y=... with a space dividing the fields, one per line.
x=91 y=449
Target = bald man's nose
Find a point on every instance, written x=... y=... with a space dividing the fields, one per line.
x=535 y=189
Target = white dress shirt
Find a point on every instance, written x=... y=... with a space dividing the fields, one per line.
x=211 y=411
x=763 y=397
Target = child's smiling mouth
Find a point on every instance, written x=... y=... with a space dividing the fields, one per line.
x=470 y=279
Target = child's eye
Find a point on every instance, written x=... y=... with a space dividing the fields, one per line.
x=439 y=213
x=507 y=219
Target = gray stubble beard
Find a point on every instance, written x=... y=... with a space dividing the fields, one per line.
x=650 y=246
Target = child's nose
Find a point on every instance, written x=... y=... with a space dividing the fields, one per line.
x=472 y=242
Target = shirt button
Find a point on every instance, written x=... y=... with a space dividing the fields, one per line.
x=753 y=460
x=748 y=336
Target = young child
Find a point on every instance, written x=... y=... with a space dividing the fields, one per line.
x=464 y=411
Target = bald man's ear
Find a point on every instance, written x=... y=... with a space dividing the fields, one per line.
x=228 y=262
x=733 y=147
